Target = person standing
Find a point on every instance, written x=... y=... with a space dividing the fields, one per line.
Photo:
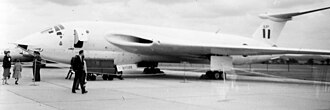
x=6 y=67
x=80 y=73
x=69 y=75
x=71 y=72
x=17 y=70
x=36 y=66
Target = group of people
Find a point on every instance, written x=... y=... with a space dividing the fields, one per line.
x=6 y=69
x=17 y=69
x=78 y=65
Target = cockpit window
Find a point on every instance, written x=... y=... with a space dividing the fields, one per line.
x=51 y=30
x=59 y=33
x=61 y=26
x=56 y=28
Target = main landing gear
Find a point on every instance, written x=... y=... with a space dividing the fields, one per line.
x=219 y=65
x=152 y=70
x=217 y=75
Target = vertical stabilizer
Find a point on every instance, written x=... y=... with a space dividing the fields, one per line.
x=271 y=28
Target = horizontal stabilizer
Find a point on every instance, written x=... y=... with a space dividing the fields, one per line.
x=282 y=17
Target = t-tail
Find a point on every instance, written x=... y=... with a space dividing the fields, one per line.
x=271 y=28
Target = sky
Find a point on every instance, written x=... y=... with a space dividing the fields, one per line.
x=20 y=18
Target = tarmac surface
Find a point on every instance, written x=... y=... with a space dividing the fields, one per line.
x=173 y=90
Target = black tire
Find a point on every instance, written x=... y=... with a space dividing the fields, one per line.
x=209 y=74
x=93 y=77
x=110 y=77
x=217 y=75
x=157 y=70
x=88 y=77
x=146 y=70
x=105 y=77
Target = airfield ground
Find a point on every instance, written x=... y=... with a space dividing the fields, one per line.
x=177 y=88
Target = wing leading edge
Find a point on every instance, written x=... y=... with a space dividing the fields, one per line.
x=168 y=48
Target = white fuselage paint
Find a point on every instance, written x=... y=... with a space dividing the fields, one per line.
x=97 y=46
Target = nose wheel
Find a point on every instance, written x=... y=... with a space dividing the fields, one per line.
x=217 y=75
x=152 y=70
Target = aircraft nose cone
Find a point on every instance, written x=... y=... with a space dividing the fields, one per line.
x=31 y=42
x=32 y=39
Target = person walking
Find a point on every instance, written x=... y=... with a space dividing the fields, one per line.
x=6 y=67
x=71 y=72
x=17 y=70
x=80 y=73
x=36 y=66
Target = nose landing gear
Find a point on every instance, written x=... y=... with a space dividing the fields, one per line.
x=217 y=75
x=152 y=70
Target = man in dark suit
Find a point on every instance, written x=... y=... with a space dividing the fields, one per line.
x=80 y=73
x=36 y=66
x=6 y=67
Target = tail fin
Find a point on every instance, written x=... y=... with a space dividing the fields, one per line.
x=270 y=30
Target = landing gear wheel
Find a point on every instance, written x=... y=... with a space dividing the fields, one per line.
x=217 y=75
x=110 y=77
x=152 y=70
x=88 y=76
x=146 y=70
x=93 y=77
x=105 y=77
x=157 y=70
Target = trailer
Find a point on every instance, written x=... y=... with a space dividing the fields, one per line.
x=102 y=67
